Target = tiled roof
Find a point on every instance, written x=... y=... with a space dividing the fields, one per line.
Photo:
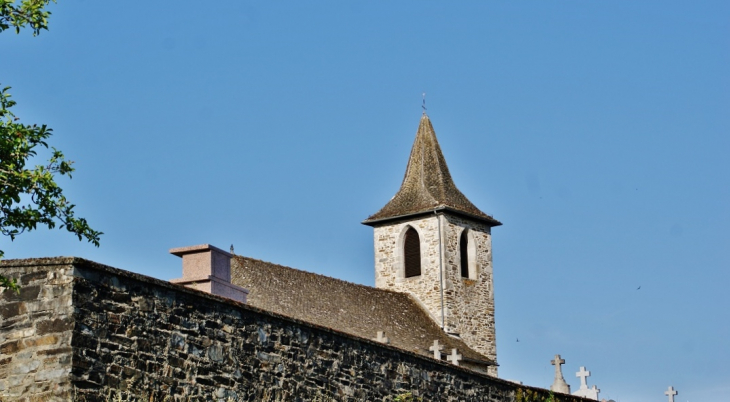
x=427 y=185
x=343 y=306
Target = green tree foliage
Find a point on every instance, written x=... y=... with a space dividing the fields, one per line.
x=29 y=196
x=28 y=12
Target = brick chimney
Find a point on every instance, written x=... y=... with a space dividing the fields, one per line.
x=208 y=268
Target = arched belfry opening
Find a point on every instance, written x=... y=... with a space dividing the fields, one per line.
x=411 y=253
x=464 y=253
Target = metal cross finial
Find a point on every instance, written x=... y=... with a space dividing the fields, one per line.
x=424 y=103
x=670 y=393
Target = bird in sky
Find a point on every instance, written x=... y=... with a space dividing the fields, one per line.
x=518 y=339
x=638 y=287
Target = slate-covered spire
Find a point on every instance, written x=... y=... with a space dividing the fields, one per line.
x=427 y=185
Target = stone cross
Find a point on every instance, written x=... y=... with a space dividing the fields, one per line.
x=382 y=338
x=670 y=393
x=557 y=362
x=583 y=374
x=559 y=385
x=595 y=391
x=589 y=393
x=436 y=348
x=454 y=357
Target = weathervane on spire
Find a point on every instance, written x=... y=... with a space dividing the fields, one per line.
x=424 y=103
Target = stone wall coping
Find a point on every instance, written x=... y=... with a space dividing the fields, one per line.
x=195 y=279
x=37 y=262
x=208 y=278
x=180 y=251
x=80 y=264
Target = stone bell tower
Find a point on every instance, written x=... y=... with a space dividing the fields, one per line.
x=434 y=244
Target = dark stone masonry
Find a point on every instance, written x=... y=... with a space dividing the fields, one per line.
x=87 y=332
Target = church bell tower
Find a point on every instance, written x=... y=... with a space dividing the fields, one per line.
x=434 y=244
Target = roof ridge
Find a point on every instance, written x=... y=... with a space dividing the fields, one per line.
x=320 y=275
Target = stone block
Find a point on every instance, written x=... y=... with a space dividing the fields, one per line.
x=47 y=375
x=11 y=309
x=54 y=325
x=10 y=347
x=42 y=341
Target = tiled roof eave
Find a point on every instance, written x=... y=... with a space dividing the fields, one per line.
x=483 y=362
x=488 y=220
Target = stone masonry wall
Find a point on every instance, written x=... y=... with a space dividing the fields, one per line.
x=35 y=332
x=389 y=268
x=153 y=340
x=468 y=303
x=471 y=301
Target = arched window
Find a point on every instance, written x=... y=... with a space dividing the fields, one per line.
x=464 y=253
x=412 y=253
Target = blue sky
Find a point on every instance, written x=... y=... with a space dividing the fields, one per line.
x=597 y=132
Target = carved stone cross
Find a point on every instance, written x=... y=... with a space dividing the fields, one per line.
x=436 y=349
x=583 y=374
x=557 y=362
x=670 y=393
x=454 y=357
x=382 y=338
x=595 y=391
x=559 y=385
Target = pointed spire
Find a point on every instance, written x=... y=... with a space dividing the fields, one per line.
x=427 y=185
